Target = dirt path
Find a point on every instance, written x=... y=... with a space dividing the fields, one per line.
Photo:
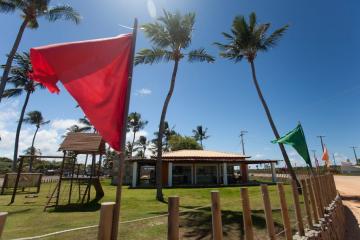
x=349 y=188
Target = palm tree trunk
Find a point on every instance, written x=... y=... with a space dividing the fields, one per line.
x=32 y=149
x=159 y=193
x=132 y=145
x=11 y=57
x=272 y=124
x=18 y=129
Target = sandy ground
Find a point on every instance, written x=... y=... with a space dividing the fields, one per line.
x=349 y=188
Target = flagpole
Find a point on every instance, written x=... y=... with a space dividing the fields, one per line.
x=121 y=167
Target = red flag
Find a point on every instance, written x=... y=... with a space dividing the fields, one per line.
x=325 y=156
x=95 y=73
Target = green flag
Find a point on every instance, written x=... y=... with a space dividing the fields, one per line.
x=296 y=139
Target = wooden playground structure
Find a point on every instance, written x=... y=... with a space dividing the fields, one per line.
x=71 y=178
x=74 y=144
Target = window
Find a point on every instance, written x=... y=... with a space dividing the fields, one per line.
x=206 y=174
x=181 y=175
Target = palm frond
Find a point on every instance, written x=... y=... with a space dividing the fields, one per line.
x=272 y=40
x=150 y=56
x=157 y=34
x=14 y=92
x=33 y=23
x=7 y=6
x=200 y=55
x=65 y=12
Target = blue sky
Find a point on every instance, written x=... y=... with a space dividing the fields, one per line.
x=311 y=76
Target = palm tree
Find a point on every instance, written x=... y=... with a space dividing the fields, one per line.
x=135 y=124
x=168 y=133
x=86 y=125
x=34 y=118
x=246 y=40
x=142 y=144
x=21 y=83
x=170 y=35
x=200 y=134
x=31 y=10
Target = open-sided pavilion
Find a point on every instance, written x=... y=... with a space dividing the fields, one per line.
x=195 y=168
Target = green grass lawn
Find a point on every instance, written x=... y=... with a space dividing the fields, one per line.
x=28 y=219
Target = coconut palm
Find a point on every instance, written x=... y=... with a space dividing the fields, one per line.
x=86 y=125
x=200 y=134
x=34 y=118
x=170 y=36
x=246 y=40
x=21 y=84
x=135 y=124
x=141 y=145
x=31 y=11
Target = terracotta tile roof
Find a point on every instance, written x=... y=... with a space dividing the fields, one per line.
x=202 y=154
x=83 y=143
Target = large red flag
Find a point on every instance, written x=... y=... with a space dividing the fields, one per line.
x=95 y=73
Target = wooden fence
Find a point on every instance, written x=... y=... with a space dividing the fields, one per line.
x=323 y=220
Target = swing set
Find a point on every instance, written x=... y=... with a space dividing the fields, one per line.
x=71 y=177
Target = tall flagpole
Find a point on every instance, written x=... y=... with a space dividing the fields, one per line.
x=121 y=167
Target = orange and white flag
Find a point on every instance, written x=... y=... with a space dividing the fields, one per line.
x=325 y=156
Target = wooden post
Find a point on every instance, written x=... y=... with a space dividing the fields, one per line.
x=249 y=234
x=216 y=216
x=268 y=212
x=307 y=202
x=105 y=225
x=284 y=212
x=60 y=179
x=312 y=200
x=317 y=195
x=72 y=179
x=173 y=218
x=300 y=224
x=3 y=216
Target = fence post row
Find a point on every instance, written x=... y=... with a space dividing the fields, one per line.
x=316 y=199
x=216 y=216
x=173 y=218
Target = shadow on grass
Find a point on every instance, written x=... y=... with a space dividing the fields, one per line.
x=197 y=224
x=352 y=226
x=92 y=206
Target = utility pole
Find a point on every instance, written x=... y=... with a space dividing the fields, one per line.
x=242 y=133
x=316 y=161
x=334 y=159
x=356 y=159
x=322 y=143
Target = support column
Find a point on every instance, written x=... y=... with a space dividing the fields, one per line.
x=273 y=172
x=134 y=174
x=170 y=170
x=225 y=179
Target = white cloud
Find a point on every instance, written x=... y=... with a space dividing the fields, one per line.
x=259 y=156
x=143 y=92
x=48 y=137
x=63 y=124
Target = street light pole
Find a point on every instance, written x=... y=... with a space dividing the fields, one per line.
x=356 y=159
x=242 y=133
x=322 y=143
